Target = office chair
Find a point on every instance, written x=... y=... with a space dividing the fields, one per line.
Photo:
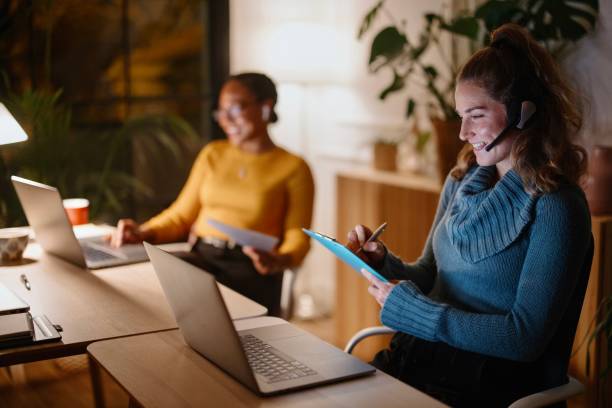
x=555 y=357
x=286 y=301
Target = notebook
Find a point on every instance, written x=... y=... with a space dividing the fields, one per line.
x=16 y=327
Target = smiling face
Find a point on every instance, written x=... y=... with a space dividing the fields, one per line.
x=239 y=114
x=482 y=119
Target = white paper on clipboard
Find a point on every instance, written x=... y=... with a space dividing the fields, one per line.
x=246 y=237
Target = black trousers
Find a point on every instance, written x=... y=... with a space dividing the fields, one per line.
x=235 y=270
x=457 y=377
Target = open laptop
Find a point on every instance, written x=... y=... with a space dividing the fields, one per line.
x=43 y=207
x=268 y=360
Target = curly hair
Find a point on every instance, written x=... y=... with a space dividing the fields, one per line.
x=514 y=67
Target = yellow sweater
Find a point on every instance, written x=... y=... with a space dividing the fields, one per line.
x=271 y=192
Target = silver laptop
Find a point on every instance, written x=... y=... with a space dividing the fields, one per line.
x=43 y=207
x=267 y=360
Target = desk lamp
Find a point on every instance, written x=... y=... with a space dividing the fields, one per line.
x=10 y=132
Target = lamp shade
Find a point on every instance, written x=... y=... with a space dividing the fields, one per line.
x=10 y=130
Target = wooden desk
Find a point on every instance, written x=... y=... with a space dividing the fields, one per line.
x=95 y=305
x=159 y=370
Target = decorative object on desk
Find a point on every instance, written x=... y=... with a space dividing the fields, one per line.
x=385 y=155
x=416 y=154
x=13 y=242
x=77 y=210
x=385 y=146
x=599 y=181
x=554 y=24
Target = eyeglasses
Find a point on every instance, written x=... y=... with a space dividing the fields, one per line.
x=232 y=113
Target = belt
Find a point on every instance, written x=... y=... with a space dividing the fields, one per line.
x=219 y=243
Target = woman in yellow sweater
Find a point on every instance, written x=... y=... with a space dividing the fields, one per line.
x=245 y=181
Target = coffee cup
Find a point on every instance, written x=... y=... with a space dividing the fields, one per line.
x=13 y=242
x=77 y=210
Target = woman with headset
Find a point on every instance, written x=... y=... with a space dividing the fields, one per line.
x=245 y=181
x=480 y=316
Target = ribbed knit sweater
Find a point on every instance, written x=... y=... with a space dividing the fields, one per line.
x=499 y=266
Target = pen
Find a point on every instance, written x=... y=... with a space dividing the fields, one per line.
x=25 y=281
x=374 y=235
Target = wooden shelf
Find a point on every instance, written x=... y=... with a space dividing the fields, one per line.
x=599 y=391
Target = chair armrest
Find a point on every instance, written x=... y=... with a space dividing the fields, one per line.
x=551 y=395
x=365 y=333
x=286 y=300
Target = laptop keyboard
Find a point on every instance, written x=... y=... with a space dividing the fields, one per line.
x=267 y=361
x=95 y=255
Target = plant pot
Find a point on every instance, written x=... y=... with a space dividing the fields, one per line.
x=385 y=156
x=598 y=186
x=448 y=144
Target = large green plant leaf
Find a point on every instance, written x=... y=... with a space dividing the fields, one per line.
x=410 y=107
x=494 y=13
x=369 y=19
x=546 y=19
x=465 y=26
x=570 y=19
x=394 y=86
x=81 y=163
x=387 y=45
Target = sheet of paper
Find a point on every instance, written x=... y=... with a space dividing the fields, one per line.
x=342 y=252
x=246 y=237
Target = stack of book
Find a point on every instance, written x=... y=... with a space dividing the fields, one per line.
x=16 y=326
x=16 y=329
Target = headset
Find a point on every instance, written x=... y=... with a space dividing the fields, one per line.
x=523 y=111
x=522 y=105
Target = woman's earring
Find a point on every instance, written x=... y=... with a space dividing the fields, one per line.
x=265 y=113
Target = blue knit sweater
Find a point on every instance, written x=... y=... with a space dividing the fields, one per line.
x=499 y=266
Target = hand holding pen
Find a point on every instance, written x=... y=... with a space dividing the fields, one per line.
x=363 y=242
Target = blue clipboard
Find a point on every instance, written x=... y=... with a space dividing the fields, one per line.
x=346 y=255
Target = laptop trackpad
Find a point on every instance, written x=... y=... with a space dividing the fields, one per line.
x=305 y=348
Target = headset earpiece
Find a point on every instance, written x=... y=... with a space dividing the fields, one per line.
x=518 y=115
x=265 y=113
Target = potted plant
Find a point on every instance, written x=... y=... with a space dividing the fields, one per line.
x=385 y=154
x=83 y=163
x=555 y=24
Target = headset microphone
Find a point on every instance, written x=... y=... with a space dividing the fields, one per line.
x=528 y=108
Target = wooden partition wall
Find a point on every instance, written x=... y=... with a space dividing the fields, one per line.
x=407 y=203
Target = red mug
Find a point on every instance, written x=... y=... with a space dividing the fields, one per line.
x=77 y=210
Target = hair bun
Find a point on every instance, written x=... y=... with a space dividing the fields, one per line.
x=500 y=42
